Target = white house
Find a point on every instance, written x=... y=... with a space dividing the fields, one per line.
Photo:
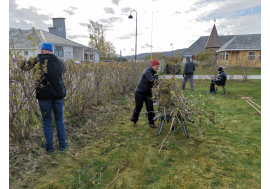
x=62 y=47
x=91 y=55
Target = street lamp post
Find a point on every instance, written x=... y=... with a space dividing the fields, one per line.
x=130 y=17
x=172 y=48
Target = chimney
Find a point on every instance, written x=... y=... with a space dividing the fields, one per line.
x=58 y=28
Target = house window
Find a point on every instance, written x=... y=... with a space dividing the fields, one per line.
x=25 y=53
x=91 y=57
x=221 y=56
x=237 y=56
x=251 y=55
x=259 y=58
x=58 y=51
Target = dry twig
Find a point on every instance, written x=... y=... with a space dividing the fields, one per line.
x=197 y=128
x=203 y=100
x=223 y=121
x=121 y=167
x=102 y=168
x=166 y=136
x=85 y=170
x=175 y=129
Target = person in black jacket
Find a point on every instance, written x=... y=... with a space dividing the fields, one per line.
x=189 y=69
x=50 y=93
x=221 y=80
x=143 y=93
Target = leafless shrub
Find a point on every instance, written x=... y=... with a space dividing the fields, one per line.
x=23 y=108
x=231 y=70
x=213 y=67
x=208 y=59
x=87 y=84
x=246 y=66
x=242 y=67
x=173 y=64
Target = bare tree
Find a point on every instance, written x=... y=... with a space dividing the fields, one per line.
x=110 y=49
x=97 y=37
x=98 y=41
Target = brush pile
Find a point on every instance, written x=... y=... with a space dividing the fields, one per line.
x=171 y=101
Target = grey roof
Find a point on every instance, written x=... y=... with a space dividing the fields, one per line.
x=19 y=38
x=199 y=45
x=54 y=39
x=243 y=42
x=89 y=49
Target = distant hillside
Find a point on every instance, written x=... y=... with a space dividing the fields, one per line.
x=142 y=56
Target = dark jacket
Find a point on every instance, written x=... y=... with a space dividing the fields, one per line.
x=147 y=81
x=222 y=77
x=189 y=68
x=52 y=86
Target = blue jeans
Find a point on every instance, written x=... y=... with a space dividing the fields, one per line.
x=46 y=108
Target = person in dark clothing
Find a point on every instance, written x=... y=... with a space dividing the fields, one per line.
x=143 y=93
x=189 y=69
x=50 y=93
x=221 y=79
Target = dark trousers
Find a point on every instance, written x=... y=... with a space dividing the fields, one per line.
x=139 y=99
x=212 y=85
x=190 y=77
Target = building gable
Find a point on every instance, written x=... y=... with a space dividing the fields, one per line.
x=213 y=40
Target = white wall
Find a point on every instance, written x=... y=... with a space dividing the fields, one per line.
x=68 y=51
x=78 y=53
x=96 y=56
x=30 y=53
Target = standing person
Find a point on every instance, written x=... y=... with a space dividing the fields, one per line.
x=50 y=93
x=221 y=79
x=143 y=93
x=188 y=73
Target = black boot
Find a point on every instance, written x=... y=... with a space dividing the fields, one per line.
x=152 y=125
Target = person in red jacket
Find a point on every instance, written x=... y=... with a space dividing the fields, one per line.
x=143 y=93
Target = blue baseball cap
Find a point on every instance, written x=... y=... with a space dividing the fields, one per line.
x=47 y=46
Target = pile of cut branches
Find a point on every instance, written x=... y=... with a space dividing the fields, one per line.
x=171 y=101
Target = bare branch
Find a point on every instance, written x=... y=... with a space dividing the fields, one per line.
x=121 y=167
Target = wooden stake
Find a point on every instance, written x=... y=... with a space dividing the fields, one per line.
x=254 y=107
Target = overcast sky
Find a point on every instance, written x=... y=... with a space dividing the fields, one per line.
x=174 y=21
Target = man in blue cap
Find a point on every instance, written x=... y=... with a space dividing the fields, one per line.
x=50 y=93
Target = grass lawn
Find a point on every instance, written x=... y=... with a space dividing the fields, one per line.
x=127 y=157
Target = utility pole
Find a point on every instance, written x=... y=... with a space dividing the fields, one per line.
x=151 y=35
x=172 y=48
x=120 y=57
